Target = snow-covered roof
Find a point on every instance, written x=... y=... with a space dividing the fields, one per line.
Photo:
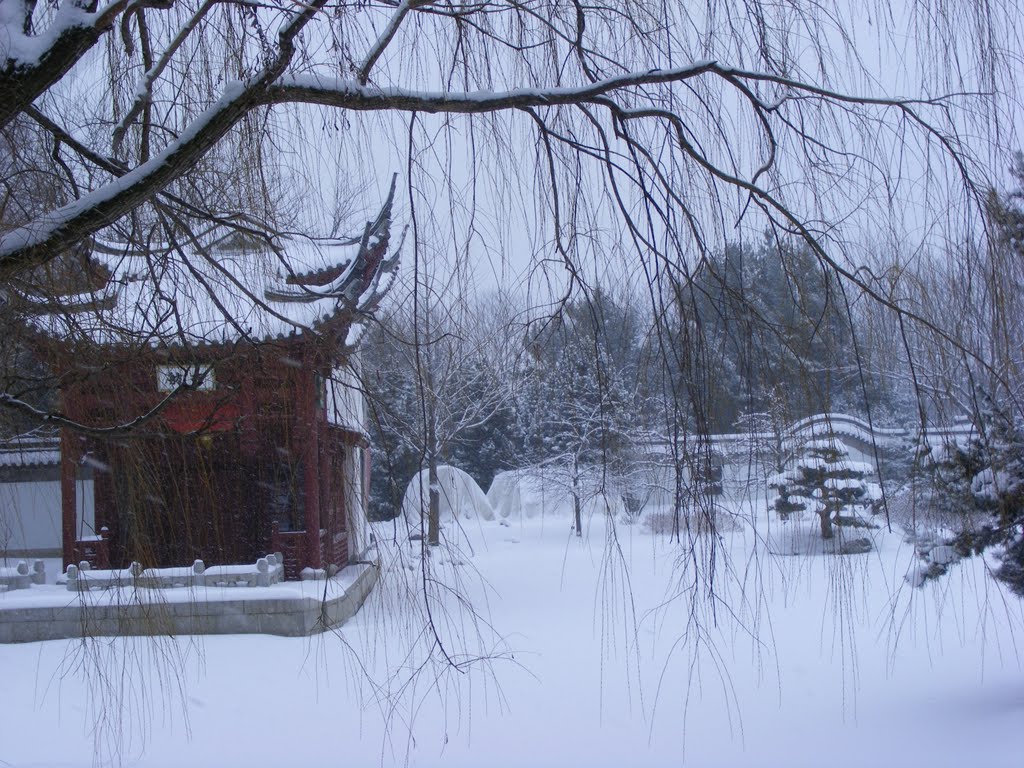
x=220 y=291
x=30 y=453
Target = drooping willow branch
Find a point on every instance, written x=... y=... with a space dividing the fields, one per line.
x=39 y=240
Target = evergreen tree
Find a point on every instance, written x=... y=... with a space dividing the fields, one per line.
x=579 y=406
x=979 y=487
x=975 y=486
x=777 y=322
x=392 y=393
x=826 y=482
x=438 y=396
x=492 y=444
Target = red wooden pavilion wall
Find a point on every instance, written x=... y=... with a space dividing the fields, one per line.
x=226 y=475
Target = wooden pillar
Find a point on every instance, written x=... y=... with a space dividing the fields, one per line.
x=309 y=432
x=325 y=491
x=106 y=513
x=366 y=479
x=68 y=499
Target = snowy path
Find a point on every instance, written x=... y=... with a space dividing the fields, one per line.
x=824 y=683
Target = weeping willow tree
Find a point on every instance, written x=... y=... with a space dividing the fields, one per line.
x=554 y=141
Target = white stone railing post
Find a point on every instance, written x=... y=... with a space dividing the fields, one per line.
x=72 y=574
x=262 y=572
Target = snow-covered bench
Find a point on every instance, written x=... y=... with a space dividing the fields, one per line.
x=168 y=578
x=268 y=570
x=264 y=572
x=82 y=577
x=21 y=577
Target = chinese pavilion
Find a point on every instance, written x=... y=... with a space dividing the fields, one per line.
x=210 y=393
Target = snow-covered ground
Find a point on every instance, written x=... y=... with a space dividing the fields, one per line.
x=609 y=650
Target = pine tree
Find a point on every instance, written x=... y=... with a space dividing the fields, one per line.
x=578 y=408
x=828 y=483
x=979 y=487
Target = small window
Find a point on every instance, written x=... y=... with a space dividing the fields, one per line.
x=170 y=377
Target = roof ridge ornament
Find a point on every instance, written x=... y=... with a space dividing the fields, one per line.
x=347 y=282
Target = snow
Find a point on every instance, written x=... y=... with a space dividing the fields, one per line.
x=27 y=50
x=991 y=485
x=350 y=94
x=841 y=484
x=943 y=554
x=55 y=595
x=593 y=652
x=30 y=454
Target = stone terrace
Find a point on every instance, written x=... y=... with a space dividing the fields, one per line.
x=52 y=612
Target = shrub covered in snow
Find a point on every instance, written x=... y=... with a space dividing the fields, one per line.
x=523 y=494
x=694 y=521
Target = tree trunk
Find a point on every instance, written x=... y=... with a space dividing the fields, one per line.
x=826 y=524
x=576 y=505
x=433 y=484
x=434 y=508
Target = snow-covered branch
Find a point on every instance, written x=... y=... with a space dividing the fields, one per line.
x=48 y=233
x=54 y=231
x=30 y=64
x=666 y=131
x=144 y=91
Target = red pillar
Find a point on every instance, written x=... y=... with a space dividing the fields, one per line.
x=308 y=430
x=68 y=499
x=325 y=491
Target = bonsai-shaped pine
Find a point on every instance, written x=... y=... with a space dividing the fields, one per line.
x=824 y=480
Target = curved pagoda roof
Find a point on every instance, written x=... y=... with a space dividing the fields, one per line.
x=219 y=291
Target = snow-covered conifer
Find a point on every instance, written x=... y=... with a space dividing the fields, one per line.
x=826 y=481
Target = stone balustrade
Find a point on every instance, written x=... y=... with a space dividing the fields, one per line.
x=21 y=576
x=264 y=572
